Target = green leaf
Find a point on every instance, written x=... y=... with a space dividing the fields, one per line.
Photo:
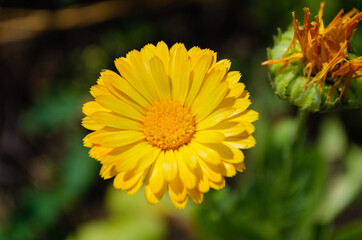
x=344 y=189
x=52 y=112
x=333 y=139
x=351 y=231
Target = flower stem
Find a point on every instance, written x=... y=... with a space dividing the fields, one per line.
x=302 y=119
x=298 y=139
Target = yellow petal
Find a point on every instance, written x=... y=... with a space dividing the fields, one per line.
x=119 y=106
x=128 y=72
x=233 y=77
x=98 y=152
x=242 y=143
x=114 y=120
x=160 y=77
x=238 y=155
x=211 y=172
x=203 y=185
x=247 y=116
x=120 y=138
x=129 y=160
x=226 y=152
x=187 y=177
x=177 y=193
x=97 y=90
x=232 y=128
x=147 y=160
x=226 y=103
x=169 y=165
x=124 y=155
x=180 y=205
x=205 y=153
x=230 y=170
x=196 y=195
x=123 y=90
x=151 y=197
x=193 y=52
x=175 y=47
x=131 y=191
x=156 y=181
x=126 y=180
x=179 y=71
x=241 y=104
x=148 y=51
x=217 y=185
x=214 y=118
x=188 y=157
x=107 y=171
x=240 y=166
x=163 y=53
x=86 y=141
x=236 y=90
x=91 y=107
x=204 y=104
x=199 y=71
x=141 y=69
x=210 y=169
x=209 y=136
x=243 y=126
x=91 y=124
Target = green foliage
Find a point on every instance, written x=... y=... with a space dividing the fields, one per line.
x=332 y=140
x=132 y=218
x=346 y=186
x=282 y=195
x=52 y=112
x=279 y=198
x=350 y=231
x=39 y=210
x=129 y=218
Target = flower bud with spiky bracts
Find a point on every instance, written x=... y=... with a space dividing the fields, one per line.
x=314 y=67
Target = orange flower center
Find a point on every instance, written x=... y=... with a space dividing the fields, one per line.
x=168 y=125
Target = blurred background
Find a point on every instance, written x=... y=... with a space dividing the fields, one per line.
x=51 y=52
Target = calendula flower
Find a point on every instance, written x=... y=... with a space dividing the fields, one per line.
x=173 y=119
x=324 y=52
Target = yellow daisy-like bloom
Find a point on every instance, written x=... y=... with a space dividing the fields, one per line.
x=324 y=51
x=173 y=119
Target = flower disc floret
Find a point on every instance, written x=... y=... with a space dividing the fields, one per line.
x=169 y=125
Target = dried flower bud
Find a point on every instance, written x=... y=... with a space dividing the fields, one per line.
x=312 y=66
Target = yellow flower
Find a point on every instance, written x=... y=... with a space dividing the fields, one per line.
x=324 y=51
x=172 y=119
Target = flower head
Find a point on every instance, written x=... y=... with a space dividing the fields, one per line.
x=173 y=119
x=323 y=52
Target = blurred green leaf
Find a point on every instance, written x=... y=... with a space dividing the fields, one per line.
x=351 y=231
x=140 y=228
x=52 y=112
x=37 y=209
x=332 y=139
x=129 y=214
x=278 y=200
x=77 y=170
x=344 y=188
